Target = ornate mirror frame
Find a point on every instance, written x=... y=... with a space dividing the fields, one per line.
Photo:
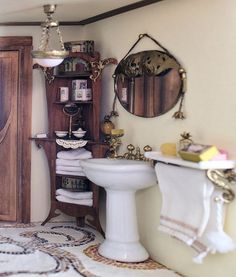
x=150 y=83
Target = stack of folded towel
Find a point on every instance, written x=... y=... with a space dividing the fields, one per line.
x=68 y=162
x=80 y=198
x=192 y=210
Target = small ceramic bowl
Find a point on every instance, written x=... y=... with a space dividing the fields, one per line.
x=79 y=134
x=61 y=134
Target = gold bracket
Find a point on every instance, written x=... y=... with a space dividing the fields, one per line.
x=98 y=66
x=48 y=75
x=221 y=179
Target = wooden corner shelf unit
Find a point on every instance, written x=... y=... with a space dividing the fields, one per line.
x=87 y=118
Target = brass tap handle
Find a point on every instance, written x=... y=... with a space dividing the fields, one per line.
x=130 y=147
x=147 y=148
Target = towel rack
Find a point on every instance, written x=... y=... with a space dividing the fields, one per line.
x=221 y=179
x=219 y=172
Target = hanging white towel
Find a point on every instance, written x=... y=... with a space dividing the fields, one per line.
x=85 y=202
x=74 y=154
x=186 y=195
x=68 y=168
x=190 y=211
x=214 y=239
x=72 y=173
x=67 y=162
x=75 y=195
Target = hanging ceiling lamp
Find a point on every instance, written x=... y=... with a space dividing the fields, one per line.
x=43 y=56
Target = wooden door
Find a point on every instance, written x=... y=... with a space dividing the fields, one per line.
x=8 y=134
x=15 y=128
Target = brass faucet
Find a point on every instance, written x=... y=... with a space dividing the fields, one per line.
x=132 y=154
x=136 y=155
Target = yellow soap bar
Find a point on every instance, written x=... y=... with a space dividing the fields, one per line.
x=117 y=132
x=168 y=149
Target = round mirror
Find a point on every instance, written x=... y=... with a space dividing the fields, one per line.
x=148 y=83
x=71 y=109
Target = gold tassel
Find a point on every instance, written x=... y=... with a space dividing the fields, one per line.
x=179 y=114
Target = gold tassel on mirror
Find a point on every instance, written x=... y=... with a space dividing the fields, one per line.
x=180 y=114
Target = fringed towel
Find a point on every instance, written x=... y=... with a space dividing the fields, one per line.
x=189 y=210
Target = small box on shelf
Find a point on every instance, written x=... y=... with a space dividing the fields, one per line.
x=84 y=94
x=198 y=152
x=75 y=184
x=79 y=84
x=41 y=135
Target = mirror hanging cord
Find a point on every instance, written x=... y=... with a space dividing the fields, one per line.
x=141 y=36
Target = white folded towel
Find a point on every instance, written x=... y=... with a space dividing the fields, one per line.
x=186 y=195
x=68 y=168
x=72 y=173
x=74 y=154
x=67 y=162
x=85 y=202
x=75 y=195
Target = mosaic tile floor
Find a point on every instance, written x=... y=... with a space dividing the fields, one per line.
x=63 y=249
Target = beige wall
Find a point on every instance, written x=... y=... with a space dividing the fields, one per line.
x=202 y=35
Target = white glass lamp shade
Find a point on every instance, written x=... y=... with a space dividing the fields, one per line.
x=49 y=58
x=47 y=62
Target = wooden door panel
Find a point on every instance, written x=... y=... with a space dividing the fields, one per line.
x=8 y=135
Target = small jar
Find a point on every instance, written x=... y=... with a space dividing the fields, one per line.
x=107 y=126
x=63 y=94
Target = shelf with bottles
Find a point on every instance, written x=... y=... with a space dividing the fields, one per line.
x=77 y=64
x=73 y=90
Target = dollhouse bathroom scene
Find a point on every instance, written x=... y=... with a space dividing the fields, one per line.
x=117 y=138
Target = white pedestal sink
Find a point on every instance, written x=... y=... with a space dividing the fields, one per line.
x=121 y=179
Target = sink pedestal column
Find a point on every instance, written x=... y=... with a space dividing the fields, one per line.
x=122 y=238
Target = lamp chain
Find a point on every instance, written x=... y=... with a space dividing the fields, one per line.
x=60 y=38
x=44 y=38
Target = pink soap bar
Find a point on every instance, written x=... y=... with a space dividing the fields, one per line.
x=223 y=155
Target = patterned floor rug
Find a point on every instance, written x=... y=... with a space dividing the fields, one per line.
x=64 y=250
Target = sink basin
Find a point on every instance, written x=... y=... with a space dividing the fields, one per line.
x=118 y=174
x=121 y=179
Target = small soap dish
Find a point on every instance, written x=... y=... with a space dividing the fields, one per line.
x=61 y=134
x=79 y=133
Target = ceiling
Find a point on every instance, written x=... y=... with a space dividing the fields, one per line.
x=31 y=11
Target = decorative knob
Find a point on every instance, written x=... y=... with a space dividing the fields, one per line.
x=130 y=147
x=147 y=148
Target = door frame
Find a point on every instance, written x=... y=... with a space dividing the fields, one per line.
x=22 y=44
